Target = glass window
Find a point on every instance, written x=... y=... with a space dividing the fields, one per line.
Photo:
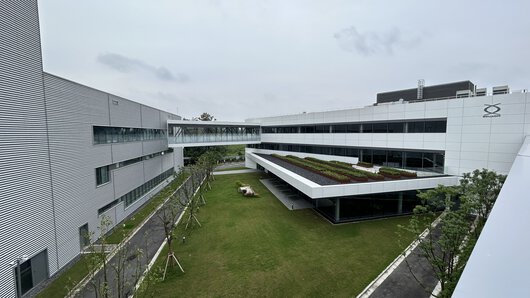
x=428 y=160
x=366 y=155
x=413 y=160
x=102 y=175
x=379 y=127
x=379 y=157
x=342 y=128
x=416 y=126
x=322 y=129
x=439 y=160
x=395 y=127
x=436 y=126
x=394 y=159
x=367 y=127
x=354 y=128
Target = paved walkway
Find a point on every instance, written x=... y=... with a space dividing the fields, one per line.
x=229 y=165
x=148 y=238
x=235 y=172
x=401 y=282
x=286 y=195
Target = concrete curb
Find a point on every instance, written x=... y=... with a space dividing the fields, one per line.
x=87 y=278
x=397 y=261
x=159 y=251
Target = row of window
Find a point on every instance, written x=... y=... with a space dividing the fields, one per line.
x=103 y=173
x=138 y=192
x=176 y=130
x=419 y=160
x=106 y=134
x=429 y=126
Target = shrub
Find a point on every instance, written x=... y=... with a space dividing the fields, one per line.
x=365 y=164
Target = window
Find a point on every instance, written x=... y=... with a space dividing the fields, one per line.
x=102 y=175
x=395 y=127
x=367 y=127
x=380 y=127
x=416 y=126
x=436 y=126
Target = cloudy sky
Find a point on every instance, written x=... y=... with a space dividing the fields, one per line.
x=240 y=59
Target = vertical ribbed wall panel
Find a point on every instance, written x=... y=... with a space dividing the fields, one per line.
x=167 y=161
x=72 y=110
x=26 y=205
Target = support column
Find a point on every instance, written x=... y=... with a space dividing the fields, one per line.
x=337 y=210
x=400 y=203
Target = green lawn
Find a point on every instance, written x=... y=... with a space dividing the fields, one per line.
x=257 y=247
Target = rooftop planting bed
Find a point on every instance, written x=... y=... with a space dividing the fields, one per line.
x=335 y=172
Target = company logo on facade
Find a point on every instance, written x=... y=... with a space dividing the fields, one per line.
x=491 y=111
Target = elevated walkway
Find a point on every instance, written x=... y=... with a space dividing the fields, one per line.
x=182 y=133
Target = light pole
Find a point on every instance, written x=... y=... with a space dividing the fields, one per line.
x=16 y=263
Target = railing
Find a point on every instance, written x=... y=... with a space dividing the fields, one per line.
x=184 y=139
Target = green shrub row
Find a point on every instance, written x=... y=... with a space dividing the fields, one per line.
x=348 y=167
x=392 y=171
x=315 y=168
x=365 y=164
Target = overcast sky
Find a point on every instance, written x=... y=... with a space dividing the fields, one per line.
x=243 y=59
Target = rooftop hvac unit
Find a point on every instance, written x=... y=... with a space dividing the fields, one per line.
x=501 y=90
x=464 y=93
x=481 y=92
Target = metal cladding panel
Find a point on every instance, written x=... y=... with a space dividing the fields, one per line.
x=167 y=161
x=124 y=113
x=178 y=158
x=152 y=168
x=128 y=178
x=125 y=151
x=150 y=117
x=150 y=147
x=26 y=205
x=72 y=111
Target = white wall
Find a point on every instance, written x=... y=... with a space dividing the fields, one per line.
x=471 y=141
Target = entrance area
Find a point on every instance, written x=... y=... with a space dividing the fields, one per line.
x=32 y=272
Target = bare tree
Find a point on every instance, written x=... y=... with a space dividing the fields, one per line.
x=167 y=216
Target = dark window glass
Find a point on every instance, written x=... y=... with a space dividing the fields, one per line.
x=307 y=129
x=413 y=160
x=353 y=152
x=428 y=160
x=102 y=175
x=395 y=127
x=436 y=126
x=416 y=127
x=338 y=151
x=367 y=127
x=366 y=155
x=322 y=129
x=354 y=128
x=339 y=128
x=379 y=127
x=379 y=157
x=439 y=161
x=394 y=159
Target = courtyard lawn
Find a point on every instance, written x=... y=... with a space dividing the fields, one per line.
x=256 y=247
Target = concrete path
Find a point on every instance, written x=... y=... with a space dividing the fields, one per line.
x=400 y=280
x=290 y=199
x=235 y=172
x=229 y=165
x=148 y=239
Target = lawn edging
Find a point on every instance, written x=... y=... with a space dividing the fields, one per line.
x=159 y=251
x=88 y=277
x=370 y=288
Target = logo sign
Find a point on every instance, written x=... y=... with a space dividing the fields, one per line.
x=491 y=111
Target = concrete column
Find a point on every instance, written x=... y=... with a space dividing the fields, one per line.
x=337 y=209
x=400 y=203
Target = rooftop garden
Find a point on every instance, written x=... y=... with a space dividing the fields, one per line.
x=343 y=172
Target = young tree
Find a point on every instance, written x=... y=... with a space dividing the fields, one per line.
x=167 y=216
x=188 y=198
x=480 y=190
x=465 y=209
